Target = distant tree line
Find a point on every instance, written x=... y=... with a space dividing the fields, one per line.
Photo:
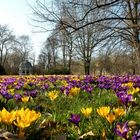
x=85 y=37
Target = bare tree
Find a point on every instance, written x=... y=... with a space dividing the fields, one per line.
x=6 y=43
x=52 y=44
x=48 y=55
x=13 y=62
x=66 y=46
x=23 y=47
x=121 y=17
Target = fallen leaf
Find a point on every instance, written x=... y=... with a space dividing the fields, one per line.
x=90 y=133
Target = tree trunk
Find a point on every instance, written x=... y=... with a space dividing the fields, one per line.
x=64 y=55
x=70 y=57
x=138 y=59
x=87 y=67
x=101 y=72
x=69 y=65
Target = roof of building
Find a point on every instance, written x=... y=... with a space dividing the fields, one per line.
x=25 y=64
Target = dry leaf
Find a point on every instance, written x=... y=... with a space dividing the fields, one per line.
x=90 y=133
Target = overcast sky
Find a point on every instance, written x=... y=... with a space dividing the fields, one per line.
x=16 y=14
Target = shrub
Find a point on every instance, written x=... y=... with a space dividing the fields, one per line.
x=62 y=71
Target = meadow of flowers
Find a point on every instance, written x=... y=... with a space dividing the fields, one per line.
x=70 y=107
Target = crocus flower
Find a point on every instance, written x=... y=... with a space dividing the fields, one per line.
x=8 y=96
x=88 y=89
x=110 y=117
x=45 y=86
x=17 y=96
x=18 y=86
x=124 y=97
x=64 y=83
x=24 y=117
x=25 y=99
x=53 y=95
x=129 y=84
x=75 y=118
x=62 y=88
x=133 y=90
x=33 y=93
x=103 y=111
x=119 y=112
x=136 y=135
x=74 y=91
x=86 y=111
x=6 y=117
x=122 y=129
x=11 y=91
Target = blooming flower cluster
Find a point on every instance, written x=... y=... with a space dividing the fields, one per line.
x=114 y=98
x=21 y=118
x=105 y=112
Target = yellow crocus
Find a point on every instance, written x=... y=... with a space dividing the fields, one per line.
x=86 y=111
x=133 y=90
x=25 y=117
x=11 y=91
x=110 y=117
x=74 y=91
x=6 y=117
x=129 y=84
x=64 y=83
x=51 y=85
x=137 y=89
x=53 y=94
x=22 y=123
x=75 y=78
x=103 y=111
x=119 y=112
x=25 y=99
x=33 y=115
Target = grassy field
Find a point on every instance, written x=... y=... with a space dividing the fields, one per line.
x=70 y=107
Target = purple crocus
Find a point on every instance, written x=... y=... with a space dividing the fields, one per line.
x=121 y=129
x=27 y=93
x=88 y=89
x=62 y=88
x=33 y=93
x=124 y=97
x=17 y=96
x=136 y=136
x=3 y=92
x=45 y=86
x=17 y=87
x=8 y=96
x=75 y=118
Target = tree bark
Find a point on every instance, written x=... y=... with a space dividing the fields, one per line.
x=87 y=67
x=138 y=59
x=69 y=65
